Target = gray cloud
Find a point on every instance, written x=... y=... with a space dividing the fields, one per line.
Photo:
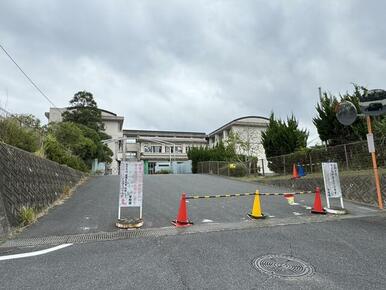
x=190 y=65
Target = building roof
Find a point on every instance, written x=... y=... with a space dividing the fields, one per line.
x=106 y=115
x=260 y=121
x=155 y=133
x=47 y=114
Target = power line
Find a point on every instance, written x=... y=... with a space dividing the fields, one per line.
x=30 y=80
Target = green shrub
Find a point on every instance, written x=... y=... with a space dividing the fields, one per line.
x=164 y=171
x=239 y=170
x=57 y=152
x=218 y=153
x=27 y=216
x=12 y=133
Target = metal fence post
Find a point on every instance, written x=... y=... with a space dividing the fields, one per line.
x=310 y=163
x=283 y=164
x=218 y=168
x=345 y=154
x=262 y=166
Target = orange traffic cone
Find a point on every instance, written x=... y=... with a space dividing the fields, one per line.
x=318 y=208
x=295 y=174
x=182 y=216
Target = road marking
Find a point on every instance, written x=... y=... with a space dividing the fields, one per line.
x=297 y=213
x=32 y=254
x=207 y=221
x=366 y=208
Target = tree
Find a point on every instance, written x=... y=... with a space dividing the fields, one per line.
x=84 y=110
x=235 y=144
x=379 y=125
x=283 y=137
x=103 y=153
x=29 y=120
x=81 y=141
x=55 y=151
x=329 y=129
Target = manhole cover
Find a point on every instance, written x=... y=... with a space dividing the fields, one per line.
x=283 y=266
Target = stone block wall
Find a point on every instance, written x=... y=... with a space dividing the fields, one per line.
x=30 y=181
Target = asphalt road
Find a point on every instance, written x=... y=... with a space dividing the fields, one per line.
x=216 y=253
x=345 y=254
x=93 y=207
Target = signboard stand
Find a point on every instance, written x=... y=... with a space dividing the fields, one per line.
x=332 y=186
x=130 y=192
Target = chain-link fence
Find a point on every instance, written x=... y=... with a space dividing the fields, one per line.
x=352 y=156
x=231 y=168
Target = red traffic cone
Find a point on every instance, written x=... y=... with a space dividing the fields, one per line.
x=182 y=216
x=295 y=174
x=318 y=208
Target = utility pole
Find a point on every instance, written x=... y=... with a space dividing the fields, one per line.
x=375 y=167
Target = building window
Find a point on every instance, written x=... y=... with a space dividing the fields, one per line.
x=131 y=155
x=147 y=149
x=157 y=149
x=169 y=149
x=152 y=149
x=178 y=149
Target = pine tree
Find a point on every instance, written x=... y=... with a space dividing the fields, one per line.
x=283 y=137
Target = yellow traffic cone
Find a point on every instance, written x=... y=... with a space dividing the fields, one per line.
x=256 y=208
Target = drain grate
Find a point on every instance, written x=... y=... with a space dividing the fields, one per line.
x=283 y=266
x=166 y=231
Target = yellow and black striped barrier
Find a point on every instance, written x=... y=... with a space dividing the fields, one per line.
x=256 y=212
x=246 y=194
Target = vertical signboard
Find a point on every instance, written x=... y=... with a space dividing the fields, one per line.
x=332 y=182
x=131 y=185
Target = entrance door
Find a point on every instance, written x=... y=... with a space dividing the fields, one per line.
x=151 y=167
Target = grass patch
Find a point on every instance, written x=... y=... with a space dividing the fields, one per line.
x=27 y=216
x=66 y=191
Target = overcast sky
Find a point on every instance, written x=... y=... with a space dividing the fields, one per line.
x=190 y=65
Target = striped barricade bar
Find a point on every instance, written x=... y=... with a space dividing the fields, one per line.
x=247 y=194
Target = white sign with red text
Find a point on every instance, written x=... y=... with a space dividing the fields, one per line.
x=331 y=182
x=131 y=185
